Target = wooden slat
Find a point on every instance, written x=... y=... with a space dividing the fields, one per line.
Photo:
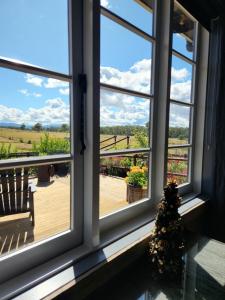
x=25 y=188
x=5 y=192
x=11 y=180
x=2 y=210
x=18 y=189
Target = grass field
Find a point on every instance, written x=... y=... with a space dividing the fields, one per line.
x=21 y=140
x=133 y=143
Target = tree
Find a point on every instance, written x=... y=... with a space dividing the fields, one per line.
x=166 y=244
x=37 y=127
x=23 y=126
x=64 y=128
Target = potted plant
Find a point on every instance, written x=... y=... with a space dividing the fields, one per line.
x=137 y=179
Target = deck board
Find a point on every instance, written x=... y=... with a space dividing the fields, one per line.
x=52 y=211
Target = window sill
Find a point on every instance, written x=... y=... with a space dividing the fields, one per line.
x=62 y=273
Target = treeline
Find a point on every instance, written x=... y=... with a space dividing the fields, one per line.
x=174 y=132
x=122 y=130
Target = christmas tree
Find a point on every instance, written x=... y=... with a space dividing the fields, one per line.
x=166 y=244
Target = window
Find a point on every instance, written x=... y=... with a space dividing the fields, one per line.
x=127 y=41
x=182 y=96
x=39 y=180
x=66 y=147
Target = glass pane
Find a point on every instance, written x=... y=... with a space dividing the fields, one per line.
x=181 y=78
x=35 y=32
x=179 y=124
x=135 y=12
x=125 y=57
x=184 y=31
x=178 y=165
x=34 y=115
x=34 y=205
x=124 y=121
x=123 y=180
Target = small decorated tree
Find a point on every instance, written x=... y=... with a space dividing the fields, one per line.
x=166 y=244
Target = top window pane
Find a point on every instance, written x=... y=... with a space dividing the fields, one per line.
x=139 y=13
x=35 y=32
x=184 y=30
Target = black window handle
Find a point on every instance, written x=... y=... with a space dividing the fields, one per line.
x=82 y=79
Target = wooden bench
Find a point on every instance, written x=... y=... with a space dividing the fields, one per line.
x=16 y=194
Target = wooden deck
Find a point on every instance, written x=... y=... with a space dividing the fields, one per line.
x=52 y=211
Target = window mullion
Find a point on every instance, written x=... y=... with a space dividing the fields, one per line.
x=161 y=94
x=91 y=156
x=199 y=107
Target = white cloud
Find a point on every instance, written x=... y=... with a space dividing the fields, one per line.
x=24 y=92
x=179 y=116
x=120 y=109
x=37 y=95
x=55 y=83
x=34 y=80
x=181 y=91
x=179 y=74
x=27 y=94
x=105 y=3
x=65 y=91
x=56 y=111
x=54 y=103
x=137 y=77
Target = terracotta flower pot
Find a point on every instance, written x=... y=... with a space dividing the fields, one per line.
x=135 y=193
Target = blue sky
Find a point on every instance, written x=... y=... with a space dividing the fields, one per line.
x=36 y=32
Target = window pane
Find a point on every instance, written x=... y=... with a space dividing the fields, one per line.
x=178 y=165
x=179 y=124
x=135 y=12
x=34 y=115
x=34 y=205
x=124 y=121
x=117 y=192
x=125 y=57
x=181 y=78
x=184 y=30
x=35 y=32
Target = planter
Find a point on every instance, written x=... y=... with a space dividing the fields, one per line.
x=118 y=171
x=44 y=173
x=135 y=193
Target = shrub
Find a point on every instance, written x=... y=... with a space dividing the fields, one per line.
x=126 y=162
x=50 y=145
x=5 y=150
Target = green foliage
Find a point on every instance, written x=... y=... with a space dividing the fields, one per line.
x=50 y=145
x=64 y=128
x=137 y=177
x=121 y=130
x=174 y=132
x=6 y=150
x=126 y=162
x=37 y=127
x=177 y=166
x=23 y=126
x=141 y=138
x=179 y=132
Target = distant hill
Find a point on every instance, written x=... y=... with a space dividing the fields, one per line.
x=9 y=124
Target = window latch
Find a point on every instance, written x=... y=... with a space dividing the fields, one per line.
x=82 y=80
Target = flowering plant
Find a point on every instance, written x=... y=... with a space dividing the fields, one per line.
x=137 y=176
